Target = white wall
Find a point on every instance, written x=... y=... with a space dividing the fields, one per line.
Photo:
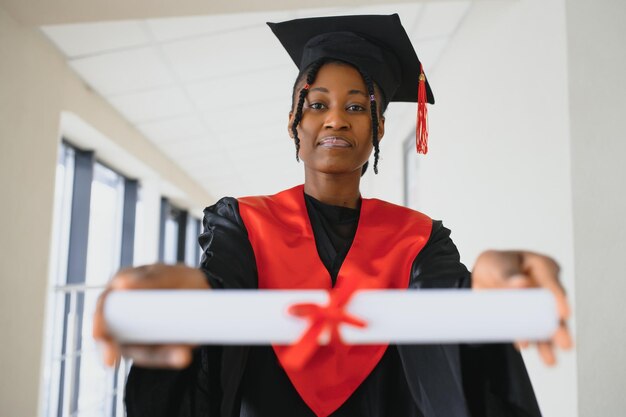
x=28 y=145
x=36 y=86
x=498 y=169
x=596 y=32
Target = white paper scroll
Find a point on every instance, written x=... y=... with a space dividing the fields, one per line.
x=393 y=316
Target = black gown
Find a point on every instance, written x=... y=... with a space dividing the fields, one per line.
x=409 y=381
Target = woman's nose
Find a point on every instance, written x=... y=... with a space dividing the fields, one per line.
x=336 y=120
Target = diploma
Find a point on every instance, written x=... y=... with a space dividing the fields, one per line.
x=390 y=316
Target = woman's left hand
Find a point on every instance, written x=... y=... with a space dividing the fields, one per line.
x=521 y=269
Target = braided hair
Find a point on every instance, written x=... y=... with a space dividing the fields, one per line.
x=311 y=73
x=309 y=76
x=374 y=113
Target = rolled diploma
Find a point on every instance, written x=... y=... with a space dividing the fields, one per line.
x=392 y=316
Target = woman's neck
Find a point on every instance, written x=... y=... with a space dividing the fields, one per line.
x=336 y=190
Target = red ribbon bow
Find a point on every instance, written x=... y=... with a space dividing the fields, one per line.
x=323 y=320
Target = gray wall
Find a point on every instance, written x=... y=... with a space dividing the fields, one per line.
x=596 y=32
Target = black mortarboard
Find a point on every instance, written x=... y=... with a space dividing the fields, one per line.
x=376 y=44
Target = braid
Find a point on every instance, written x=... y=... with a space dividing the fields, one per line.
x=310 y=77
x=374 y=114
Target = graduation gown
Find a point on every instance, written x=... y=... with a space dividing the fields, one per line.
x=412 y=381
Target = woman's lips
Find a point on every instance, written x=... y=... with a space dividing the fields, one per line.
x=334 y=142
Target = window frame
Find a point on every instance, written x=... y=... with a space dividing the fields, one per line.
x=69 y=283
x=184 y=222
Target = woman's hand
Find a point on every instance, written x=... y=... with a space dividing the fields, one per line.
x=521 y=269
x=157 y=276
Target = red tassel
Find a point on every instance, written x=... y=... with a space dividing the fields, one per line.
x=421 y=130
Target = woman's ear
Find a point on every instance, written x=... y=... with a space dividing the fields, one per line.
x=381 y=128
x=289 y=124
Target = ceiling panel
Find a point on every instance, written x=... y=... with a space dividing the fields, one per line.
x=91 y=38
x=152 y=104
x=173 y=129
x=248 y=116
x=123 y=72
x=406 y=9
x=214 y=92
x=195 y=26
x=256 y=85
x=191 y=148
x=224 y=54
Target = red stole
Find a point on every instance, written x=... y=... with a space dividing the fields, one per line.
x=387 y=240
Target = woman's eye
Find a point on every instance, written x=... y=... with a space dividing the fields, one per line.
x=356 y=108
x=316 y=106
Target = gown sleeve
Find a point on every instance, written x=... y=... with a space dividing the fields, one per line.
x=227 y=255
x=462 y=380
x=228 y=262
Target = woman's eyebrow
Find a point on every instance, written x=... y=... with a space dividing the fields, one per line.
x=350 y=92
x=357 y=92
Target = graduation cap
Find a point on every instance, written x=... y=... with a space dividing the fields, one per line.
x=375 y=44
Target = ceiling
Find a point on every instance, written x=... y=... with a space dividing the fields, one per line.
x=213 y=92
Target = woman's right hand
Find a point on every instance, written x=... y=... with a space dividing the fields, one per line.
x=149 y=277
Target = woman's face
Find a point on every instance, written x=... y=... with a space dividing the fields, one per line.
x=336 y=127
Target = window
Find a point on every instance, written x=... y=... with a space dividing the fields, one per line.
x=98 y=225
x=179 y=236
x=59 y=249
x=94 y=234
x=192 y=248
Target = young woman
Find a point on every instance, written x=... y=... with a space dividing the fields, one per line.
x=323 y=234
